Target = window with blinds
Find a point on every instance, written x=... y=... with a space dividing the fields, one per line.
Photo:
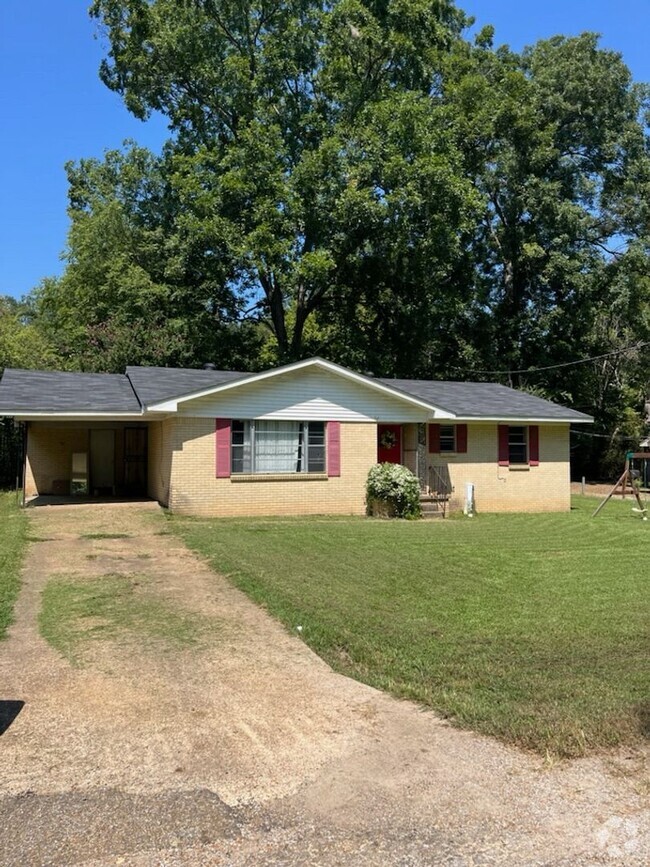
x=277 y=447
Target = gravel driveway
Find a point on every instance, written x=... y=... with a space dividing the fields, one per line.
x=249 y=750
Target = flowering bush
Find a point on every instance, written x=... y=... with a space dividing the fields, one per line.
x=392 y=490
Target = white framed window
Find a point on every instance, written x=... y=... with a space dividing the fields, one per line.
x=447 y=437
x=277 y=447
x=518 y=444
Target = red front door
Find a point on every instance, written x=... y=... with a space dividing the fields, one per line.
x=389 y=443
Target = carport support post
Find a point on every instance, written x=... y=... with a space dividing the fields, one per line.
x=24 y=465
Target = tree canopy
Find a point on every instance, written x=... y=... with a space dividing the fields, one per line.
x=305 y=135
x=361 y=180
x=144 y=283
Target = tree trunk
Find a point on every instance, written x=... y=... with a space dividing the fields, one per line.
x=275 y=302
x=296 y=338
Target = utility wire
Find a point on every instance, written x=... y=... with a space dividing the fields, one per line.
x=583 y=433
x=563 y=364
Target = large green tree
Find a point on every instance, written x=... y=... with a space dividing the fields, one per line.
x=557 y=143
x=357 y=179
x=310 y=146
x=561 y=252
x=23 y=343
x=144 y=282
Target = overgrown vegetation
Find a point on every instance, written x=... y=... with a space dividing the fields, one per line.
x=393 y=491
x=531 y=628
x=11 y=452
x=13 y=540
x=76 y=612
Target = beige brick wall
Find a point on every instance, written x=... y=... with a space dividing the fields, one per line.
x=160 y=453
x=545 y=488
x=194 y=489
x=49 y=456
x=181 y=471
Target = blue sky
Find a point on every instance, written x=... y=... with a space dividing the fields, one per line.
x=53 y=108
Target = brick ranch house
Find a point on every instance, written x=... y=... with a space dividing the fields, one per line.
x=295 y=440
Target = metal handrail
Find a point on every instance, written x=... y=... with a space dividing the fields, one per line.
x=438 y=485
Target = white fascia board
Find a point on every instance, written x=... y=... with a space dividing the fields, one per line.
x=172 y=405
x=524 y=420
x=21 y=415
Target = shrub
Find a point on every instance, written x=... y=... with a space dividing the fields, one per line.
x=393 y=491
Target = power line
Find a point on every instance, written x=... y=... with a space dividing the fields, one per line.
x=529 y=370
x=584 y=433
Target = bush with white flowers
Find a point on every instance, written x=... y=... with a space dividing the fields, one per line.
x=393 y=491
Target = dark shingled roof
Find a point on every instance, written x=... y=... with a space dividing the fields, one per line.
x=155 y=384
x=484 y=400
x=465 y=399
x=51 y=391
x=34 y=391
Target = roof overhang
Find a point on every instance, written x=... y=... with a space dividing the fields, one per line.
x=171 y=405
x=507 y=419
x=22 y=415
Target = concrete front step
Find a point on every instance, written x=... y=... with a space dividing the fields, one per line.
x=433 y=505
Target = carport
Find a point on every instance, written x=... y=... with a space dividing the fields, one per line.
x=91 y=459
x=85 y=435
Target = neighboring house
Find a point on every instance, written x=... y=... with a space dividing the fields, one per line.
x=295 y=440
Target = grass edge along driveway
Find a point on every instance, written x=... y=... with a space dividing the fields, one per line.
x=13 y=541
x=530 y=628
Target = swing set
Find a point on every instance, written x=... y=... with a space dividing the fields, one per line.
x=631 y=478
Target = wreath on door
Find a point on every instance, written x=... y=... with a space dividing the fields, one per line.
x=388 y=440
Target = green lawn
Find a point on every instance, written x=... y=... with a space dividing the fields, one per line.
x=532 y=628
x=13 y=539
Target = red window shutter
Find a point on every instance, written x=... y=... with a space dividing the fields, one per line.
x=461 y=438
x=222 y=438
x=434 y=439
x=504 y=451
x=333 y=448
x=533 y=445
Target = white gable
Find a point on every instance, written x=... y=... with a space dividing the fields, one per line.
x=307 y=394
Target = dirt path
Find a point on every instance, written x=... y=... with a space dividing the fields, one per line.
x=249 y=750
